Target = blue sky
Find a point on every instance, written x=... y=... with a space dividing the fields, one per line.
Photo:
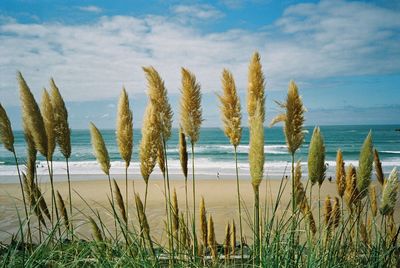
x=344 y=55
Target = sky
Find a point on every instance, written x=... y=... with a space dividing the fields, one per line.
x=343 y=55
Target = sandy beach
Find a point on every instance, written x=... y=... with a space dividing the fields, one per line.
x=219 y=195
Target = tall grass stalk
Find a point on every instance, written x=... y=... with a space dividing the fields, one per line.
x=231 y=117
x=34 y=123
x=62 y=135
x=316 y=165
x=293 y=119
x=124 y=136
x=101 y=153
x=191 y=118
x=365 y=163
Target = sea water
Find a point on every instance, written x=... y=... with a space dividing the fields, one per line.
x=214 y=158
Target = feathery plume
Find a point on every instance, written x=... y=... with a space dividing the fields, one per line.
x=211 y=238
x=335 y=215
x=227 y=241
x=340 y=174
x=96 y=230
x=256 y=87
x=175 y=214
x=6 y=133
x=203 y=221
x=351 y=193
x=61 y=130
x=32 y=117
x=365 y=166
x=144 y=225
x=191 y=112
x=293 y=118
x=158 y=96
x=49 y=122
x=311 y=221
x=233 y=238
x=256 y=152
x=100 y=149
x=183 y=154
x=120 y=201
x=389 y=194
x=29 y=188
x=316 y=158
x=124 y=128
x=374 y=204
x=328 y=211
x=149 y=143
x=63 y=210
x=378 y=168
x=230 y=108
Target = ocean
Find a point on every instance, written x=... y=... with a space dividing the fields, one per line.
x=213 y=153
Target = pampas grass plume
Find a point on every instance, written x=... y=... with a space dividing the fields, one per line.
x=335 y=214
x=365 y=166
x=227 y=240
x=144 y=225
x=96 y=230
x=203 y=222
x=100 y=149
x=49 y=122
x=389 y=194
x=63 y=210
x=175 y=213
x=183 y=154
x=316 y=158
x=149 y=143
x=124 y=128
x=351 y=193
x=6 y=133
x=256 y=152
x=340 y=174
x=256 y=87
x=230 y=109
x=293 y=118
x=211 y=238
x=158 y=96
x=32 y=117
x=233 y=238
x=328 y=211
x=191 y=112
x=120 y=201
x=378 y=168
x=62 y=130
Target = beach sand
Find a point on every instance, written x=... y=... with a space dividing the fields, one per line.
x=219 y=195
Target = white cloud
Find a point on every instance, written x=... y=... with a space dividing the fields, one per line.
x=93 y=9
x=93 y=61
x=198 y=11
